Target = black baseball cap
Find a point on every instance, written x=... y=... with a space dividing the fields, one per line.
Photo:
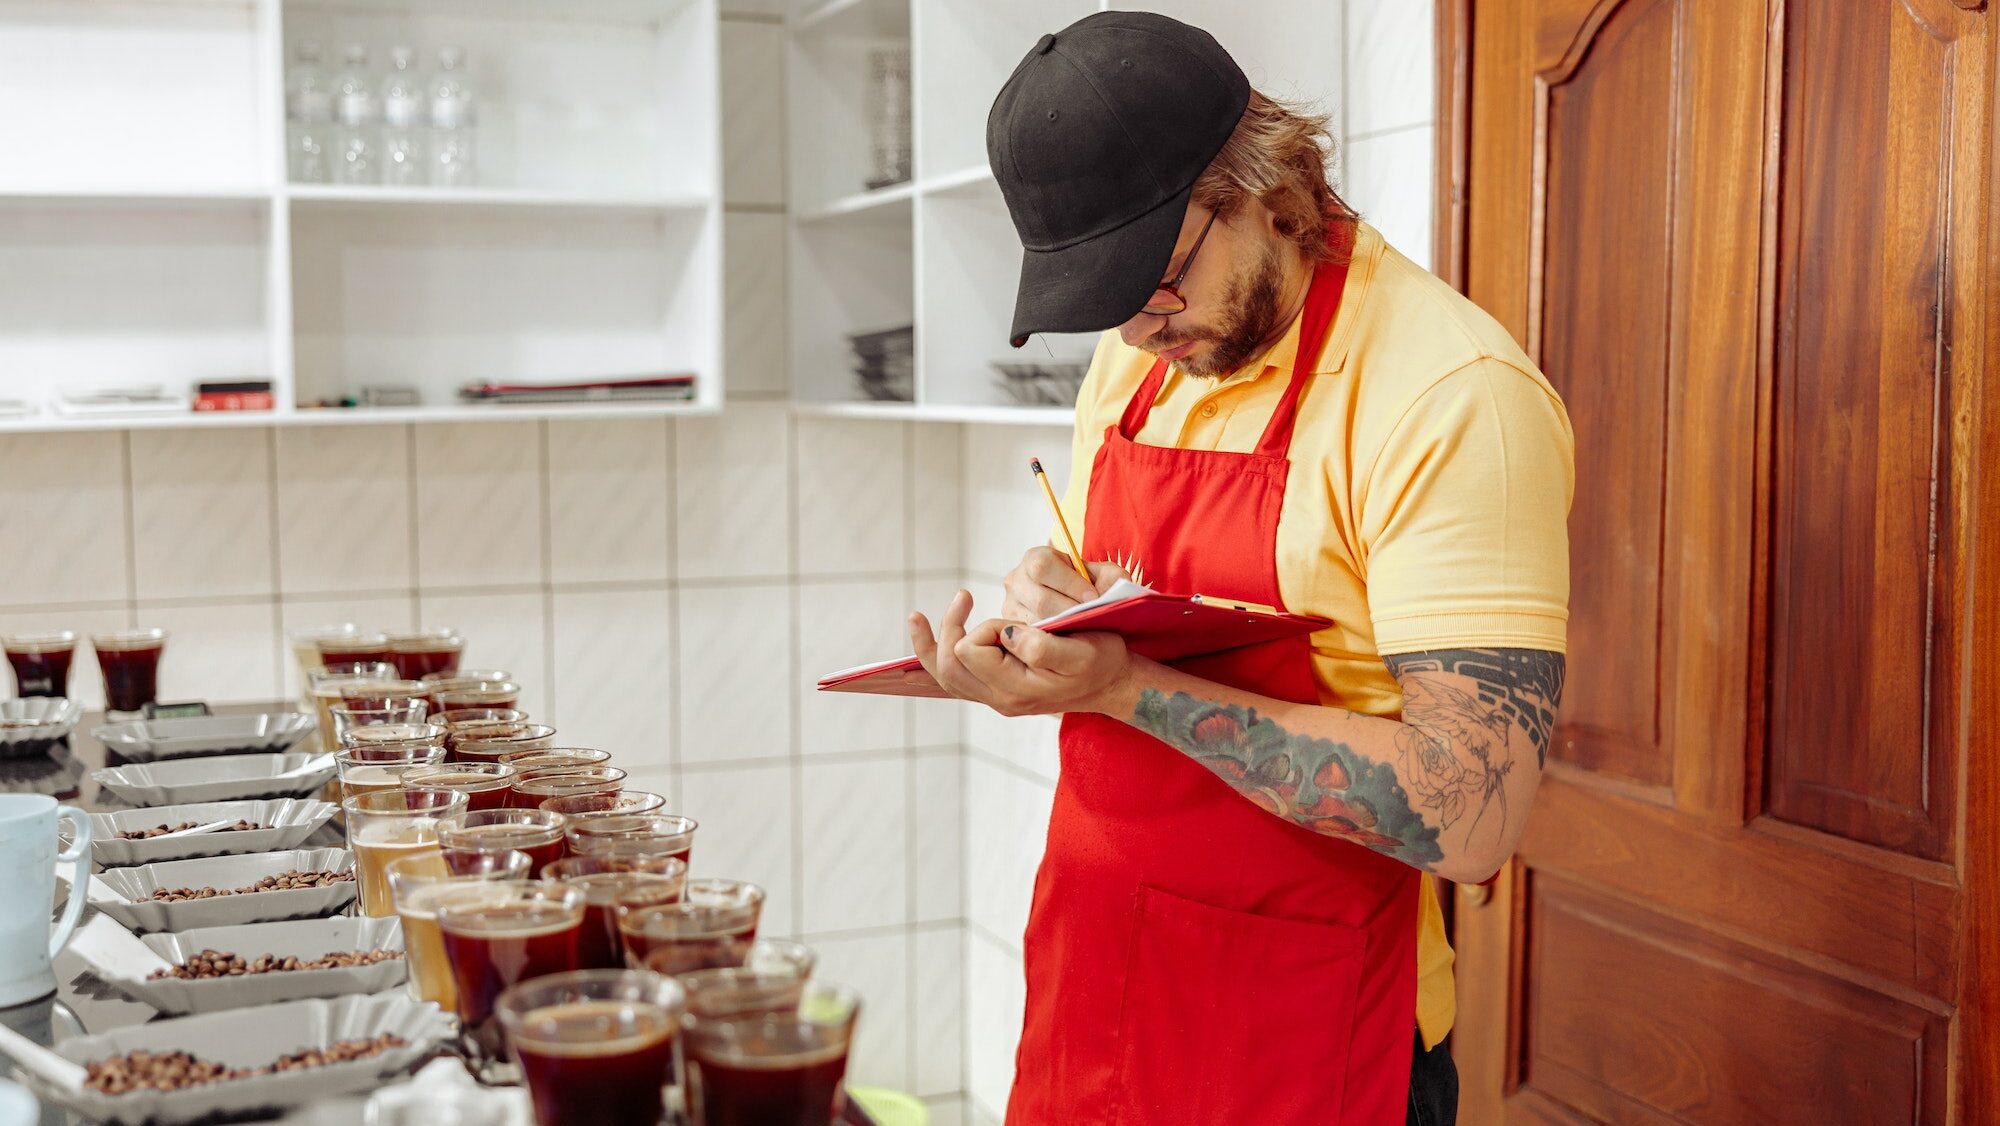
x=1096 y=141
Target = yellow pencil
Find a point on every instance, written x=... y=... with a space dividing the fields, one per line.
x=1075 y=556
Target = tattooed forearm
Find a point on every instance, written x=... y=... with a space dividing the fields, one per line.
x=1462 y=710
x=1445 y=789
x=1515 y=688
x=1321 y=784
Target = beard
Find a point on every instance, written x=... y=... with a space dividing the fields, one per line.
x=1248 y=322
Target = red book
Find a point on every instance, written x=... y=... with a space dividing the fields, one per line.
x=1164 y=627
x=233 y=401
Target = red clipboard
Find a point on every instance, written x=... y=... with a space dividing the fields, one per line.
x=1164 y=627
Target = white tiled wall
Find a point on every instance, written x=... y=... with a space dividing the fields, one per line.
x=1388 y=117
x=664 y=588
x=1010 y=764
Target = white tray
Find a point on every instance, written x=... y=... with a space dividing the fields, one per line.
x=290 y=821
x=293 y=774
x=53 y=717
x=147 y=740
x=139 y=912
x=256 y=1038
x=123 y=962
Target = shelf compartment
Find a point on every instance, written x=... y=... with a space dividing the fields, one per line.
x=965 y=49
x=827 y=87
x=889 y=18
x=586 y=11
x=435 y=299
x=968 y=273
x=95 y=295
x=369 y=196
x=592 y=102
x=849 y=277
x=860 y=202
x=133 y=98
x=941 y=413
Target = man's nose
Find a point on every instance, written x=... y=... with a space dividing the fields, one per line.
x=1141 y=328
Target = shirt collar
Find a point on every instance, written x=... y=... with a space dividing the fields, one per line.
x=1284 y=354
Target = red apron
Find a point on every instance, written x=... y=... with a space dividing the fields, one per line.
x=1191 y=958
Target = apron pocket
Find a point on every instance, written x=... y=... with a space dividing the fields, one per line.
x=1231 y=1017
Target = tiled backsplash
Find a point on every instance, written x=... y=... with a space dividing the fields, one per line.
x=665 y=589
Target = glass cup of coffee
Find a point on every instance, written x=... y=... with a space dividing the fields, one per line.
x=324 y=683
x=346 y=718
x=392 y=734
x=426 y=652
x=494 y=744
x=462 y=677
x=625 y=802
x=633 y=834
x=553 y=760
x=130 y=662
x=305 y=652
x=387 y=692
x=479 y=694
x=41 y=661
x=769 y=981
x=609 y=889
x=473 y=719
x=533 y=787
x=484 y=784
x=476 y=717
x=773 y=1067
x=391 y=825
x=527 y=929
x=420 y=886
x=595 y=1047
x=349 y=648
x=554 y=757
x=536 y=832
x=378 y=768
x=699 y=933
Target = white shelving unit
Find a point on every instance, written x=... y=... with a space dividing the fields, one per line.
x=152 y=237
x=939 y=252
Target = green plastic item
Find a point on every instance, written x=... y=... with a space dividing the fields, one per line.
x=891 y=1108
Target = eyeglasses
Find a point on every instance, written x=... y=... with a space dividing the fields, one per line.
x=1167 y=299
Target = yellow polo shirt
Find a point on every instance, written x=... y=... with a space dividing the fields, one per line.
x=1427 y=502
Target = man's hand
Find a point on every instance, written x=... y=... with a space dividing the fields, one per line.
x=1046 y=583
x=1016 y=669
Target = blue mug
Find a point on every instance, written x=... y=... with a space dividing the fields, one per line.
x=28 y=860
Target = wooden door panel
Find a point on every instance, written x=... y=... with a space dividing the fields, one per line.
x=1634 y=1016
x=1600 y=316
x=1888 y=927
x=1863 y=392
x=1750 y=242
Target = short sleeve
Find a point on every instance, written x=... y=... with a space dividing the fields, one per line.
x=1464 y=517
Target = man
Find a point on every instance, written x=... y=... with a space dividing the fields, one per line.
x=1235 y=920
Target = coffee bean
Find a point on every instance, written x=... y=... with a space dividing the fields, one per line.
x=160 y=830
x=173 y=1071
x=211 y=963
x=283 y=881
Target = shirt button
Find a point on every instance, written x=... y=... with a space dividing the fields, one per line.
x=1208 y=410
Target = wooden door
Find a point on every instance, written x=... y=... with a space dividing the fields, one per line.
x=1750 y=242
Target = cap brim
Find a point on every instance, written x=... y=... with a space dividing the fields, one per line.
x=1101 y=282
